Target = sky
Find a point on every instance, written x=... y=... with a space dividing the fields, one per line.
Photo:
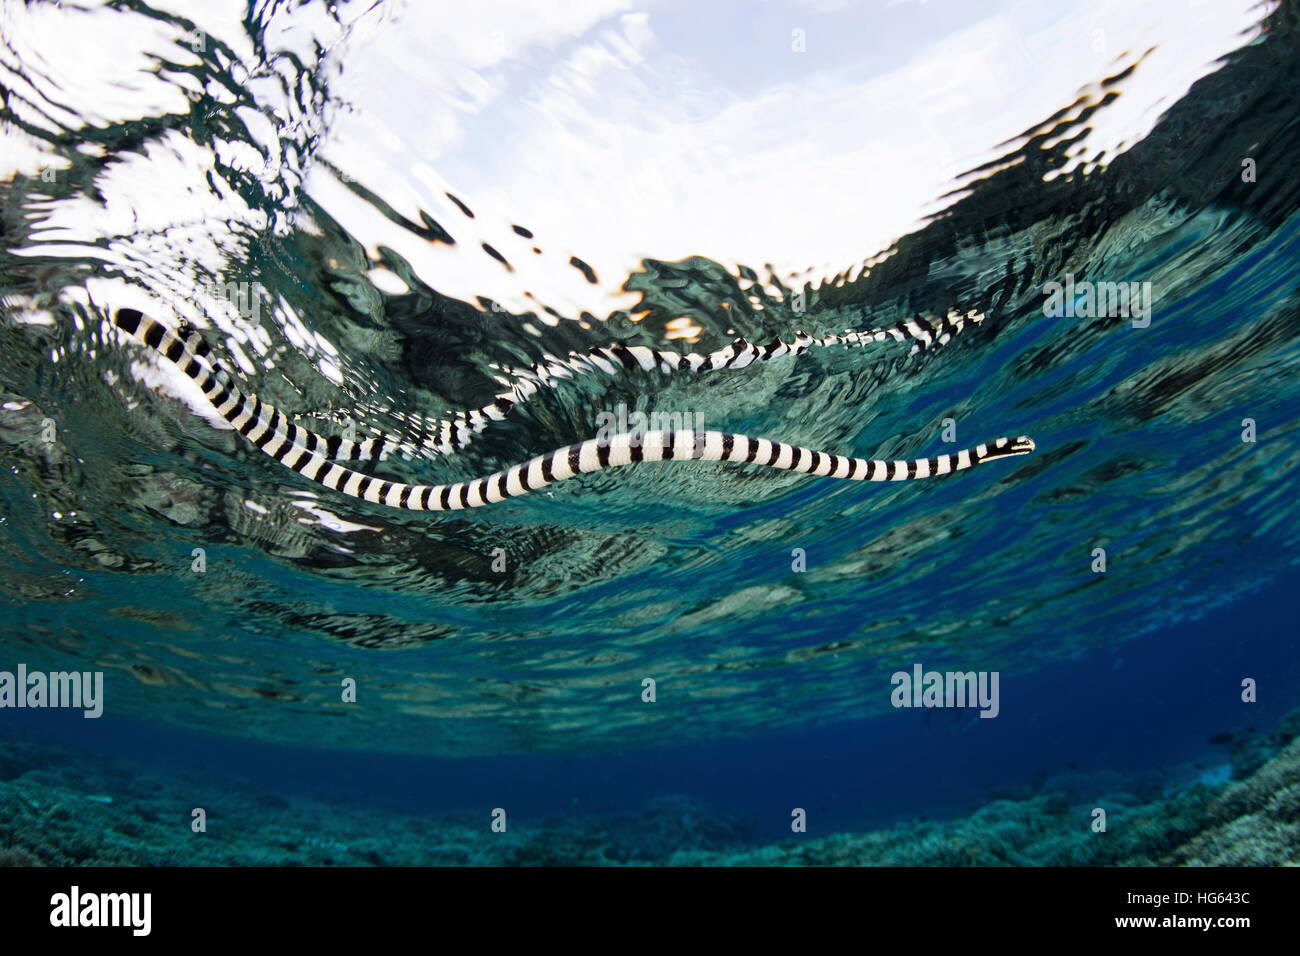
x=809 y=134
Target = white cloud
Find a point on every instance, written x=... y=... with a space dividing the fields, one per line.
x=617 y=133
x=635 y=143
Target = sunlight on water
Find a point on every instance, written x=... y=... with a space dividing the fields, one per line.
x=379 y=217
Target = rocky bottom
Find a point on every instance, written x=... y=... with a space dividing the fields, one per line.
x=59 y=806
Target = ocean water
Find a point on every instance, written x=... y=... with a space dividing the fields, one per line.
x=377 y=217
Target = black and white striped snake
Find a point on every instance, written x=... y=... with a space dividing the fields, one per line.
x=315 y=457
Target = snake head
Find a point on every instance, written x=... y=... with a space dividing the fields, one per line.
x=1006 y=448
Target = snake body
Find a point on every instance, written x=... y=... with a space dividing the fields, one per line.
x=310 y=454
x=448 y=437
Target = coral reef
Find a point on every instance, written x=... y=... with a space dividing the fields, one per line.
x=1254 y=821
x=60 y=807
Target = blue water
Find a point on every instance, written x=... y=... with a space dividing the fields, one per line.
x=1150 y=706
x=381 y=304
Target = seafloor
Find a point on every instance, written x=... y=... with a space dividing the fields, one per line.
x=61 y=806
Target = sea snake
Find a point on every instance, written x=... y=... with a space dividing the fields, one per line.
x=309 y=454
x=925 y=332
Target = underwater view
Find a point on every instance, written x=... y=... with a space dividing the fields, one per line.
x=799 y=433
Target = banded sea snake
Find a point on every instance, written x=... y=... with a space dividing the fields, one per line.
x=310 y=454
